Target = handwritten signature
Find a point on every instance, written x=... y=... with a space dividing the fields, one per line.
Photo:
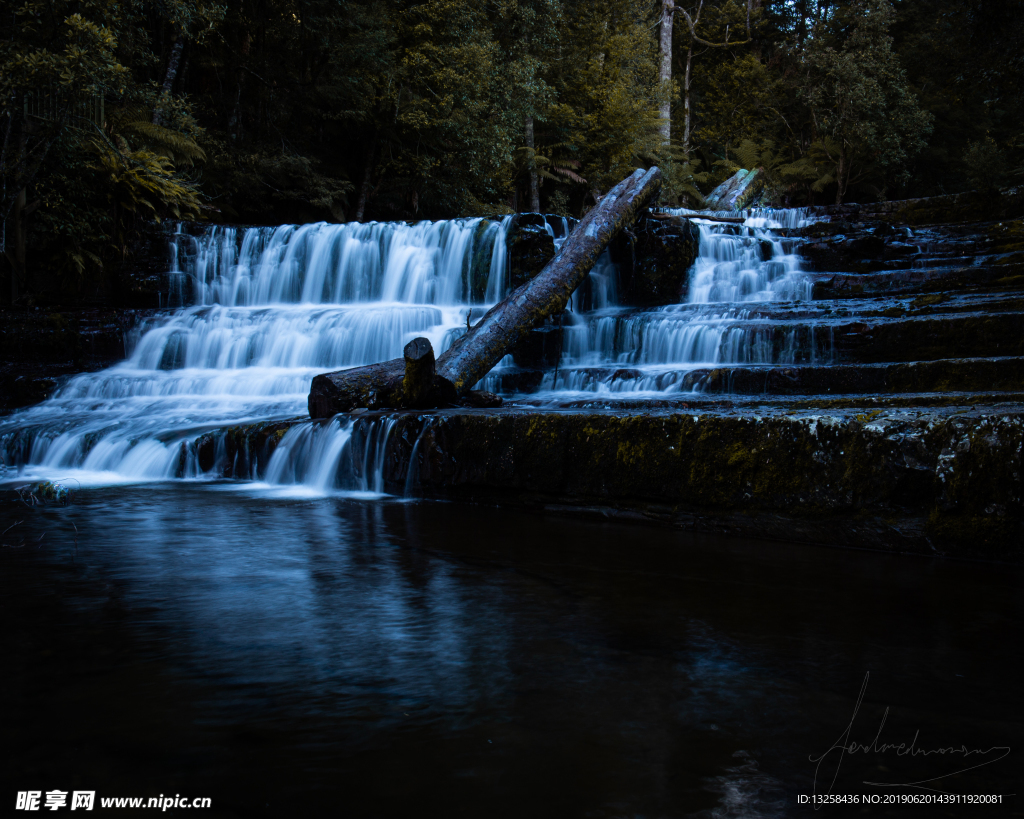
x=844 y=745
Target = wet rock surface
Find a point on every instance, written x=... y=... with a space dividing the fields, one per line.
x=935 y=481
x=42 y=348
x=891 y=417
x=530 y=247
x=654 y=261
x=886 y=411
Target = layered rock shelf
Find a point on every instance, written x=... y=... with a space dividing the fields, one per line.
x=935 y=480
x=867 y=390
x=884 y=412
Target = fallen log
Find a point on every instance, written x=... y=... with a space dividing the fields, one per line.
x=409 y=382
x=402 y=383
x=671 y=217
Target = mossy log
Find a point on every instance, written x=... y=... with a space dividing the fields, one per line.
x=473 y=355
x=409 y=382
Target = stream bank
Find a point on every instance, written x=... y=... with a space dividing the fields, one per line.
x=928 y=480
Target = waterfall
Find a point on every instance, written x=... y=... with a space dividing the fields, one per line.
x=341 y=455
x=273 y=306
x=646 y=353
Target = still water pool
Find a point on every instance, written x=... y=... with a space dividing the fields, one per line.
x=353 y=657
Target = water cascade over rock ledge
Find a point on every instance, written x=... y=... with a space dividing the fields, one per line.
x=934 y=481
x=847 y=376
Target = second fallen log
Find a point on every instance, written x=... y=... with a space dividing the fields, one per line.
x=472 y=356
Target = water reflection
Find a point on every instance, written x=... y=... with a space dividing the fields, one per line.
x=311 y=657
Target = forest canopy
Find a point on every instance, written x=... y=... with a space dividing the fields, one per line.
x=266 y=111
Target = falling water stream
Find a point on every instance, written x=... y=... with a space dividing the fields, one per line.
x=272 y=307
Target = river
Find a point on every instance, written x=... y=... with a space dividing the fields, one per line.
x=356 y=658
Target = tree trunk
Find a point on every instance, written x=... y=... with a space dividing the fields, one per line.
x=364 y=188
x=182 y=81
x=172 y=72
x=841 y=176
x=419 y=382
x=235 y=121
x=534 y=186
x=665 y=69
x=473 y=355
x=686 y=102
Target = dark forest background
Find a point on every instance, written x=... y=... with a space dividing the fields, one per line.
x=120 y=112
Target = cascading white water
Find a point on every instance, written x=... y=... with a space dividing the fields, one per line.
x=272 y=307
x=616 y=350
x=275 y=307
x=317 y=458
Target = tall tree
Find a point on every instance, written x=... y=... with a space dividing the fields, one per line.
x=713 y=36
x=859 y=95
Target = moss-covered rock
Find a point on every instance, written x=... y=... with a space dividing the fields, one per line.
x=938 y=481
x=890 y=479
x=655 y=261
x=478 y=265
x=530 y=247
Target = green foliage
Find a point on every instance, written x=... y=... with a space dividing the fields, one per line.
x=609 y=92
x=141 y=181
x=558 y=204
x=295 y=110
x=986 y=163
x=682 y=176
x=739 y=101
x=815 y=170
x=79 y=147
x=859 y=95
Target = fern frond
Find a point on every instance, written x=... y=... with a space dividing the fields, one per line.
x=575 y=177
x=748 y=153
x=178 y=147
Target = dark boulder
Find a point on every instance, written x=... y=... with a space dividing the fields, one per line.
x=530 y=247
x=478 y=270
x=655 y=261
x=541 y=347
x=481 y=399
x=854 y=248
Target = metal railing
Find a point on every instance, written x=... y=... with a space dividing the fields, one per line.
x=57 y=105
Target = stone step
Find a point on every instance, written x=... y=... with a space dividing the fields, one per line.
x=718 y=402
x=925 y=338
x=918 y=280
x=864 y=248
x=800 y=337
x=945 y=375
x=936 y=480
x=940 y=376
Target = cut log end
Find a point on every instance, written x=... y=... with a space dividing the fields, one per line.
x=418 y=384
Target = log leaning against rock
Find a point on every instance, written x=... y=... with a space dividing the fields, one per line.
x=406 y=383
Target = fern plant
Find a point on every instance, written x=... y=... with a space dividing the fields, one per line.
x=542 y=162
x=142 y=180
x=682 y=175
x=130 y=121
